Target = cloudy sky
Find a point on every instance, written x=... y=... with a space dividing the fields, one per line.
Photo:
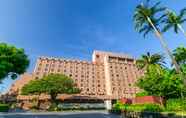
x=74 y=28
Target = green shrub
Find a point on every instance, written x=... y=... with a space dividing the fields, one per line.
x=141 y=94
x=144 y=107
x=137 y=107
x=118 y=106
x=4 y=107
x=176 y=105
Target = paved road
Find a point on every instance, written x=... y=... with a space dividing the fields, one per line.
x=87 y=114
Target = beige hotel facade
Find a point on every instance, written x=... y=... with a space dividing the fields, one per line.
x=108 y=75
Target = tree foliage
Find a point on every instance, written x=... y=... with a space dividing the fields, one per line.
x=180 y=55
x=167 y=83
x=174 y=21
x=13 y=61
x=52 y=84
x=162 y=81
x=147 y=61
x=145 y=11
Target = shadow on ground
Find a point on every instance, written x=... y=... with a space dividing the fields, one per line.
x=60 y=115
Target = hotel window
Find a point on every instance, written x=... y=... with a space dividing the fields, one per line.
x=46 y=69
x=39 y=68
x=37 y=78
x=76 y=75
x=47 y=65
x=58 y=70
x=70 y=75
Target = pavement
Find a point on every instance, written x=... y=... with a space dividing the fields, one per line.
x=77 y=114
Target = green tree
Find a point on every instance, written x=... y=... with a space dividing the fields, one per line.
x=52 y=84
x=13 y=61
x=148 y=61
x=175 y=21
x=180 y=55
x=167 y=84
x=146 y=20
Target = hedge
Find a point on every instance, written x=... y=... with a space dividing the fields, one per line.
x=4 y=107
x=137 y=107
x=176 y=105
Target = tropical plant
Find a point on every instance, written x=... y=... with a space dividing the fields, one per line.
x=13 y=61
x=141 y=94
x=176 y=105
x=175 y=21
x=148 y=61
x=167 y=84
x=52 y=84
x=180 y=55
x=146 y=20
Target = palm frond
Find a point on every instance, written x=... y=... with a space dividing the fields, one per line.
x=156 y=5
x=182 y=13
x=143 y=28
x=149 y=60
x=161 y=19
x=176 y=28
x=167 y=27
x=150 y=29
x=155 y=11
x=182 y=21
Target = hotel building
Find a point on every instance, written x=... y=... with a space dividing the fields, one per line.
x=108 y=75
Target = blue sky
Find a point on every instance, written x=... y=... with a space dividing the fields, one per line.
x=74 y=28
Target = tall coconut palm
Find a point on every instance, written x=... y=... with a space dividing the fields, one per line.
x=175 y=21
x=148 y=62
x=146 y=20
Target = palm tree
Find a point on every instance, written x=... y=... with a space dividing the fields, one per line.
x=148 y=61
x=146 y=21
x=175 y=21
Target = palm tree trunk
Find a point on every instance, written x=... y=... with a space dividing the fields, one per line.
x=164 y=45
x=181 y=29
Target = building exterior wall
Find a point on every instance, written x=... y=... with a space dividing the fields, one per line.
x=109 y=74
x=18 y=84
